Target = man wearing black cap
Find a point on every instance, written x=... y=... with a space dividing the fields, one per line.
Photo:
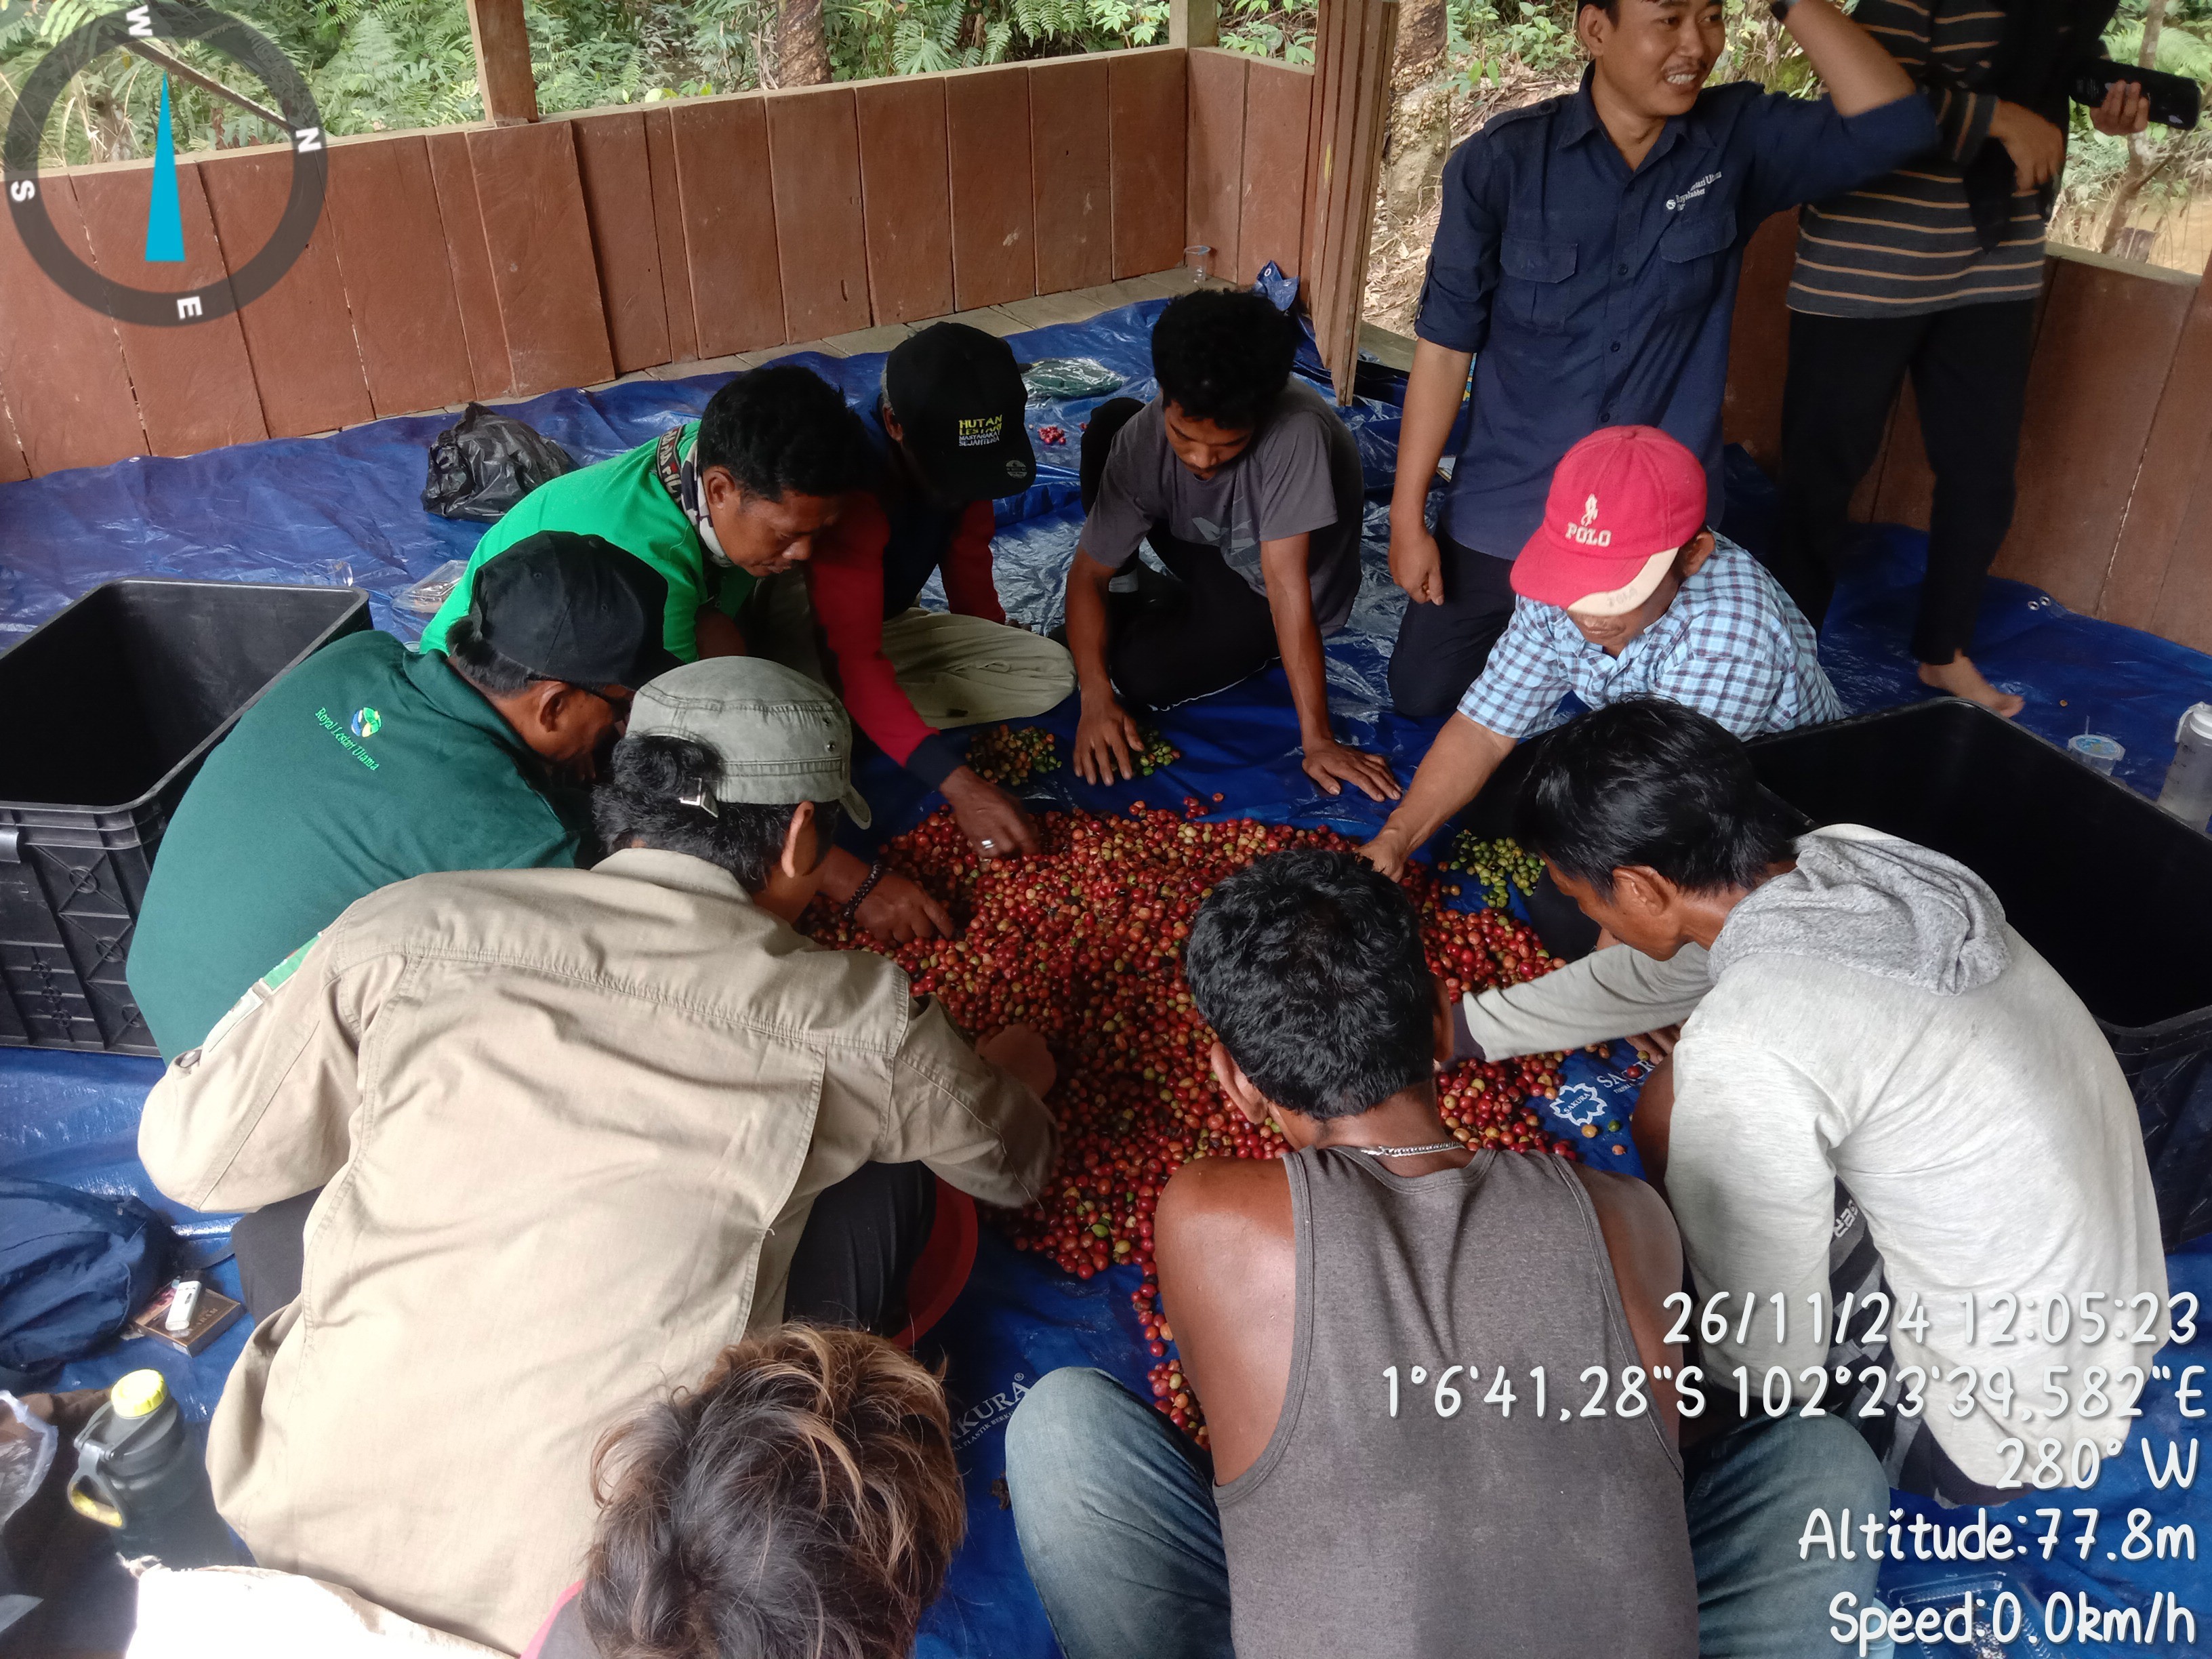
x=951 y=429
x=369 y=764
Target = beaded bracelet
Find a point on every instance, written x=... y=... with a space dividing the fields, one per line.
x=867 y=886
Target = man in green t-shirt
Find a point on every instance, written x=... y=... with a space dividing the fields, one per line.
x=714 y=505
x=369 y=764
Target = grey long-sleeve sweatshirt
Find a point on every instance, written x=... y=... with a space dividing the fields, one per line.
x=1869 y=1017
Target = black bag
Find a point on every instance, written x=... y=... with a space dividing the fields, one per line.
x=489 y=462
x=73 y=1268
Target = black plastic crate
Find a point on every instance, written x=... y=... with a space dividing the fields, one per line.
x=2115 y=895
x=113 y=706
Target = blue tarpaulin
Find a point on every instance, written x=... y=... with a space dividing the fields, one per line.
x=344 y=509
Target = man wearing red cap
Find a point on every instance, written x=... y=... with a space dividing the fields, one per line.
x=1623 y=592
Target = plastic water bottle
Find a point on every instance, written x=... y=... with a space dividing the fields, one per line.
x=2188 y=790
x=138 y=1472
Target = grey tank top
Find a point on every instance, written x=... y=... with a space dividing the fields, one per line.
x=1457 y=1529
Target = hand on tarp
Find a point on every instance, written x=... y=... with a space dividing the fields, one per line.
x=1107 y=737
x=993 y=820
x=1332 y=765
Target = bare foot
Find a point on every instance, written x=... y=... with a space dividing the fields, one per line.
x=1961 y=679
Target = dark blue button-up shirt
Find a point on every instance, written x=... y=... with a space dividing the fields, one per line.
x=1593 y=296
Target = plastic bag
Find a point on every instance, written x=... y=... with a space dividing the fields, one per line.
x=1052 y=380
x=27 y=1451
x=487 y=463
x=423 y=598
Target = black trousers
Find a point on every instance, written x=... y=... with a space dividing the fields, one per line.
x=1171 y=641
x=1441 y=648
x=861 y=1242
x=1969 y=370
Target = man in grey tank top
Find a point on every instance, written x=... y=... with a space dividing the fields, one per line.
x=1442 y=1405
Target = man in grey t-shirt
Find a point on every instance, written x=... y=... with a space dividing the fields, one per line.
x=1249 y=488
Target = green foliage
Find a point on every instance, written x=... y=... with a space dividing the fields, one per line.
x=1263 y=28
x=1503 y=35
x=376 y=65
x=2181 y=51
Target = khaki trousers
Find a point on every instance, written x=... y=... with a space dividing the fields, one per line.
x=957 y=670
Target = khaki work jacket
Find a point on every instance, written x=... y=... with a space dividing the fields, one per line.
x=568 y=1125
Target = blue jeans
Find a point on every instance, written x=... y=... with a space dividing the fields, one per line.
x=1115 y=1509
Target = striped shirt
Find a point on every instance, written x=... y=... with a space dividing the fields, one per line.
x=1731 y=646
x=1905 y=243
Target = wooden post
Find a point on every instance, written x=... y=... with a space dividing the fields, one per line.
x=510 y=95
x=1193 y=23
x=1353 y=51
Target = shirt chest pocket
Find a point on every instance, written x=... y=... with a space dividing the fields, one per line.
x=1533 y=289
x=1693 y=255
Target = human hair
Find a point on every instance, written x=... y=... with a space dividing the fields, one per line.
x=1223 y=357
x=639 y=801
x=783 y=429
x=1610 y=8
x=802 y=1503
x=1647 y=781
x=1310 y=968
x=475 y=660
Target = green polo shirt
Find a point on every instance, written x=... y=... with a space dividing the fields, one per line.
x=367 y=764
x=625 y=500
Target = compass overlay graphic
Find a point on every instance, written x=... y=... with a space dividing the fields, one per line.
x=135 y=29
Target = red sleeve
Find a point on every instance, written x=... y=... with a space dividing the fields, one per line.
x=845 y=579
x=970 y=589
x=545 y=1631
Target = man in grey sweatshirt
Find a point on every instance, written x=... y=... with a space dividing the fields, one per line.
x=1854 y=1009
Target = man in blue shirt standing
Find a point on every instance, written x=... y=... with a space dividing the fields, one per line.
x=1585 y=263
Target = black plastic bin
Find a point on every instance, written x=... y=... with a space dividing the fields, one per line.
x=2115 y=895
x=111 y=707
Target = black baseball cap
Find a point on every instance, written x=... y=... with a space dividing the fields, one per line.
x=574 y=608
x=959 y=393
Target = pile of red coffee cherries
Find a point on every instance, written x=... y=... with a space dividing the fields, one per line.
x=1012 y=755
x=1085 y=943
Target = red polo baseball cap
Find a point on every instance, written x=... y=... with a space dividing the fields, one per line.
x=1623 y=501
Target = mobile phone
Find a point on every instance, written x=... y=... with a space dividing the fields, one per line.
x=182 y=1306
x=2175 y=100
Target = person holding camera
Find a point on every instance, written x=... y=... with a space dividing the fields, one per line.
x=1934 y=269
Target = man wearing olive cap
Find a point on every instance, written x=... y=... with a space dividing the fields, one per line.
x=369 y=764
x=577 y=1132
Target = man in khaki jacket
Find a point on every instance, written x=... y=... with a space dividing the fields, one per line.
x=568 y=1127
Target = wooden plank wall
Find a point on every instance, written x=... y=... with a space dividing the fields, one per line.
x=1246 y=186
x=503 y=261
x=1353 y=47
x=2114 y=518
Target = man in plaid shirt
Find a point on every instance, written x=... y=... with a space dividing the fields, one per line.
x=1623 y=592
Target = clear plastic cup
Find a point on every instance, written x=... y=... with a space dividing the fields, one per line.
x=2097 y=752
x=1197 y=260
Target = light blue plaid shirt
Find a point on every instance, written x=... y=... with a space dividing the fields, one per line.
x=1732 y=646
